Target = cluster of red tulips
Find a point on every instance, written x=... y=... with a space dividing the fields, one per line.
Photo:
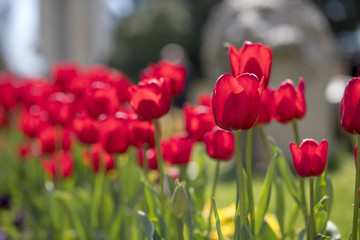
x=104 y=111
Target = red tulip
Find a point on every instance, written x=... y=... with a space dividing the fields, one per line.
x=141 y=132
x=350 y=107
x=236 y=101
x=205 y=99
x=151 y=158
x=220 y=144
x=86 y=129
x=151 y=99
x=9 y=91
x=251 y=58
x=290 y=103
x=177 y=149
x=310 y=158
x=199 y=120
x=64 y=75
x=24 y=151
x=176 y=73
x=59 y=163
x=266 y=112
x=53 y=139
x=36 y=92
x=95 y=154
x=100 y=98
x=60 y=108
x=4 y=119
x=121 y=83
x=32 y=120
x=114 y=134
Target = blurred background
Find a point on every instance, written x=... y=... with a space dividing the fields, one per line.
x=319 y=40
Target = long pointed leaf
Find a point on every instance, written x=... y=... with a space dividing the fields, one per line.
x=217 y=219
x=264 y=199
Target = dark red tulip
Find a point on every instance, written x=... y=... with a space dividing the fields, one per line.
x=141 y=132
x=177 y=149
x=32 y=120
x=97 y=153
x=151 y=98
x=36 y=92
x=251 y=58
x=86 y=129
x=59 y=163
x=236 y=101
x=267 y=106
x=198 y=121
x=310 y=158
x=9 y=91
x=151 y=158
x=100 y=98
x=121 y=84
x=176 y=73
x=290 y=102
x=350 y=107
x=114 y=134
x=64 y=75
x=60 y=108
x=220 y=144
x=52 y=139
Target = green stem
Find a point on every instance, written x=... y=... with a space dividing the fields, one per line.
x=249 y=141
x=217 y=170
x=311 y=218
x=240 y=178
x=263 y=140
x=302 y=185
x=160 y=166
x=145 y=161
x=180 y=229
x=356 y=194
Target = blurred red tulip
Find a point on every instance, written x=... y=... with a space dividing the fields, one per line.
x=86 y=129
x=59 y=163
x=32 y=120
x=141 y=132
x=121 y=84
x=198 y=121
x=220 y=144
x=97 y=153
x=151 y=158
x=350 y=107
x=60 y=108
x=4 y=119
x=205 y=99
x=236 y=101
x=177 y=149
x=53 y=139
x=9 y=91
x=290 y=103
x=251 y=58
x=267 y=108
x=310 y=158
x=151 y=98
x=24 y=151
x=100 y=98
x=176 y=73
x=114 y=134
x=35 y=92
x=64 y=75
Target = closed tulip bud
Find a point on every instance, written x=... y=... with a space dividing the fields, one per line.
x=251 y=58
x=236 y=101
x=310 y=157
x=290 y=102
x=179 y=201
x=198 y=120
x=350 y=111
x=220 y=144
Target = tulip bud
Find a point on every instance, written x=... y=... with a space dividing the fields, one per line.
x=179 y=202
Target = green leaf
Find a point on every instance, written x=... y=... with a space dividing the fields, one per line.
x=292 y=219
x=117 y=223
x=217 y=219
x=97 y=198
x=321 y=215
x=245 y=233
x=264 y=198
x=266 y=233
x=285 y=171
x=280 y=205
x=148 y=226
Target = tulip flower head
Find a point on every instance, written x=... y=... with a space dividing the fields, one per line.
x=251 y=58
x=177 y=149
x=59 y=163
x=220 y=144
x=236 y=101
x=310 y=157
x=151 y=158
x=151 y=98
x=266 y=112
x=114 y=134
x=350 y=107
x=290 y=102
